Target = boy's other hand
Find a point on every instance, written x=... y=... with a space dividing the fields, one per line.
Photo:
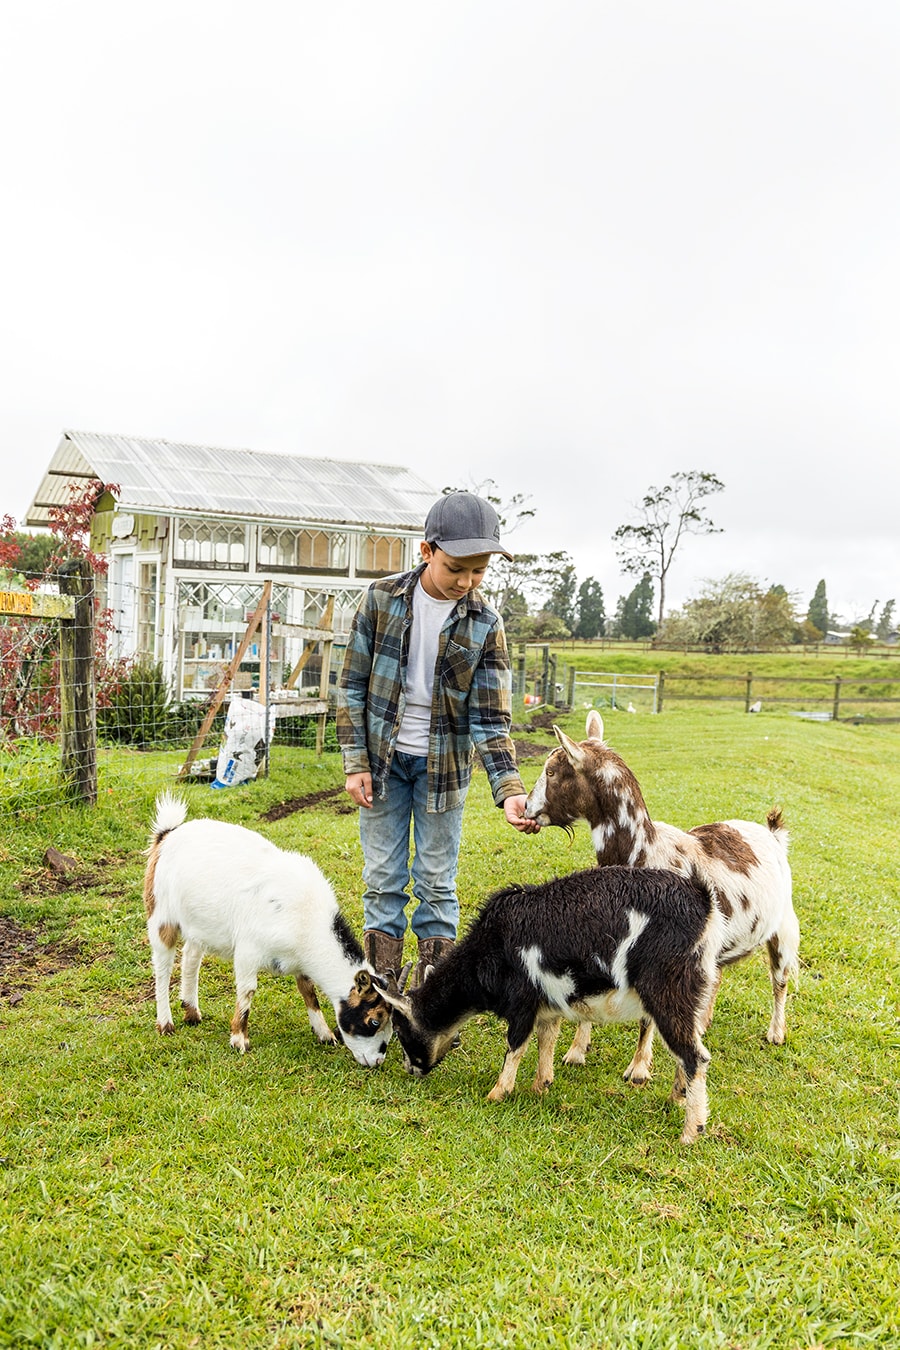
x=514 y=809
x=359 y=786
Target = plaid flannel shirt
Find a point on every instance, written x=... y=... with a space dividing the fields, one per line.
x=470 y=704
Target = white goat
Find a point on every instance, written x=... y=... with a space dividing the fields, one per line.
x=229 y=891
x=742 y=864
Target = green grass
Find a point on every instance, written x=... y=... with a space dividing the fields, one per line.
x=167 y=1192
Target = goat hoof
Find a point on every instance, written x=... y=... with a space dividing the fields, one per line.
x=191 y=1015
x=497 y=1094
x=240 y=1043
x=574 y=1057
x=638 y=1078
x=541 y=1085
x=165 y=1029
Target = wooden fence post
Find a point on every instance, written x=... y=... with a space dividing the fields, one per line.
x=570 y=694
x=661 y=690
x=77 y=692
x=748 y=699
x=837 y=698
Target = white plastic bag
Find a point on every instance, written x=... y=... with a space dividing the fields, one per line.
x=243 y=744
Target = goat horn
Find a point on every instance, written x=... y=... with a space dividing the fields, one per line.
x=404 y=976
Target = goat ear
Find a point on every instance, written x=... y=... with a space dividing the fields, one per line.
x=363 y=981
x=572 y=751
x=594 y=728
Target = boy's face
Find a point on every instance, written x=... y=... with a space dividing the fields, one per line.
x=447 y=578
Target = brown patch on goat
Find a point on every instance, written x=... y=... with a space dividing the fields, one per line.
x=308 y=993
x=723 y=844
x=723 y=901
x=191 y=1014
x=168 y=934
x=149 y=880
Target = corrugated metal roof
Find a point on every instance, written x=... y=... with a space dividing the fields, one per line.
x=172 y=478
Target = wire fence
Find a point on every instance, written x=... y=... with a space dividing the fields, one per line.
x=89 y=703
x=100 y=690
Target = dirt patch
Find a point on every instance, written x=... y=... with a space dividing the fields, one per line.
x=24 y=958
x=330 y=797
x=53 y=878
x=528 y=750
x=545 y=720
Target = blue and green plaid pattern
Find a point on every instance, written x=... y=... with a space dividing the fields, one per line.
x=471 y=704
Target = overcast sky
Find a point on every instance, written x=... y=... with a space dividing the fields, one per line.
x=573 y=247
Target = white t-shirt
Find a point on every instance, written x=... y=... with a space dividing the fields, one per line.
x=429 y=617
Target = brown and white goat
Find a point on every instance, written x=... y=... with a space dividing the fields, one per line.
x=743 y=865
x=229 y=891
x=609 y=944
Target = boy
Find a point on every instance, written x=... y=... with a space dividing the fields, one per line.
x=426 y=678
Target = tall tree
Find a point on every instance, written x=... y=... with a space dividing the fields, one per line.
x=591 y=610
x=561 y=596
x=885 y=625
x=817 y=614
x=534 y=575
x=634 y=611
x=666 y=514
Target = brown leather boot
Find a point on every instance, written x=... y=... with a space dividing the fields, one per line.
x=382 y=951
x=430 y=952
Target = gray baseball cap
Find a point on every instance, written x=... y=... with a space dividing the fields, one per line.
x=464 y=525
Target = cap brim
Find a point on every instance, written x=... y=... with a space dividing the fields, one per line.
x=470 y=548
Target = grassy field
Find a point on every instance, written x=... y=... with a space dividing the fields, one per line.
x=167 y=1192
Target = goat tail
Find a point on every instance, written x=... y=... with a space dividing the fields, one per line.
x=775 y=822
x=171 y=811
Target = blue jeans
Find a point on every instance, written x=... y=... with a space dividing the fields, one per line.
x=384 y=835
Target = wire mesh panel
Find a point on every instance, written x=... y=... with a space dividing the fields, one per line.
x=165 y=670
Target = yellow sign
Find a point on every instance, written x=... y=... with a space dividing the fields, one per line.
x=36 y=605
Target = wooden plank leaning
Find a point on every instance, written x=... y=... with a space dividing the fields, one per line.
x=222 y=688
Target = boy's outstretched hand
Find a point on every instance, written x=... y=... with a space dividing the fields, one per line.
x=514 y=809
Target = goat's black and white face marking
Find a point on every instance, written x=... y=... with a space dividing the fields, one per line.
x=421 y=1053
x=365 y=1026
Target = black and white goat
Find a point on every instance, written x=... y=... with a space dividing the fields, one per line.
x=743 y=865
x=229 y=891
x=608 y=945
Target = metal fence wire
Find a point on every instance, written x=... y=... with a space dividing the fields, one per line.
x=91 y=704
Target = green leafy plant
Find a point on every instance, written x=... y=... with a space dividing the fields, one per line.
x=136 y=707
